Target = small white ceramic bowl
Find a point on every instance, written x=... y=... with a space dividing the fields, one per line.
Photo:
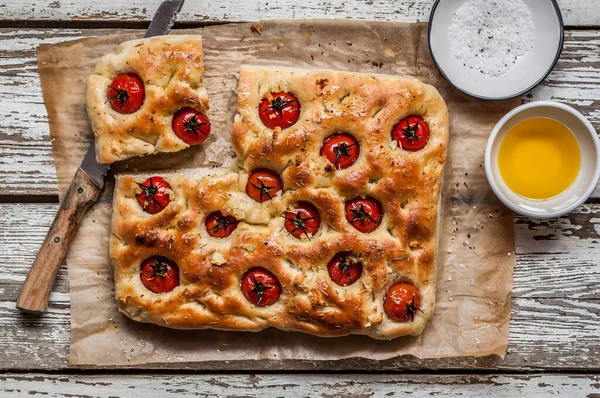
x=529 y=70
x=589 y=172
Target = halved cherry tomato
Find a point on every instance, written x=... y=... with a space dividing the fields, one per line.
x=341 y=150
x=263 y=185
x=126 y=93
x=279 y=110
x=260 y=287
x=343 y=269
x=219 y=225
x=159 y=274
x=364 y=213
x=411 y=133
x=191 y=126
x=155 y=195
x=402 y=302
x=304 y=219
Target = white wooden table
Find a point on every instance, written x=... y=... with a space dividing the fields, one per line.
x=555 y=328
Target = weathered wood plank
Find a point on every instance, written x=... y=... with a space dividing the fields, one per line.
x=555 y=309
x=314 y=385
x=26 y=165
x=25 y=148
x=558 y=258
x=575 y=12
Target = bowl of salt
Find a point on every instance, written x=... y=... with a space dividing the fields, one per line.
x=495 y=49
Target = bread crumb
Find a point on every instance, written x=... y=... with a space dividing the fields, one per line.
x=257 y=28
x=219 y=152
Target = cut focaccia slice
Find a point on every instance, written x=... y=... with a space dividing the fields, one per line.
x=147 y=97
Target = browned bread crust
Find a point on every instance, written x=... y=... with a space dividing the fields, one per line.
x=171 y=68
x=402 y=248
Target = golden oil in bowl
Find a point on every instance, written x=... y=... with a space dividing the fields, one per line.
x=539 y=158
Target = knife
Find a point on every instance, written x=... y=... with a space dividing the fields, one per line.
x=83 y=192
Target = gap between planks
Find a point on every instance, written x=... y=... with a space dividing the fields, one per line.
x=292 y=386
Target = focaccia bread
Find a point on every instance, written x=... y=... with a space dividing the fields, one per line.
x=170 y=71
x=307 y=287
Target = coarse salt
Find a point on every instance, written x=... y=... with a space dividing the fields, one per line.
x=489 y=36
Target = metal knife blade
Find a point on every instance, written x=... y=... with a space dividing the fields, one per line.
x=161 y=24
x=93 y=169
x=164 y=18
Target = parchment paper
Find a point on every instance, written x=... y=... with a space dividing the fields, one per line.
x=476 y=243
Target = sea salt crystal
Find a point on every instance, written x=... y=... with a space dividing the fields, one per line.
x=489 y=36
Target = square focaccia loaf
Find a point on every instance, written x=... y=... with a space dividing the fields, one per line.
x=328 y=227
x=141 y=98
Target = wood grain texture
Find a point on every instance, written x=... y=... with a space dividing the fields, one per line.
x=575 y=12
x=26 y=165
x=555 y=309
x=295 y=386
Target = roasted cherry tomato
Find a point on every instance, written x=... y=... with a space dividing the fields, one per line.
x=219 y=225
x=263 y=185
x=343 y=269
x=341 y=150
x=364 y=213
x=402 y=302
x=304 y=220
x=155 y=195
x=260 y=287
x=191 y=126
x=411 y=133
x=126 y=93
x=159 y=274
x=279 y=110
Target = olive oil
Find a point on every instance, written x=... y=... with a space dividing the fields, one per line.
x=539 y=158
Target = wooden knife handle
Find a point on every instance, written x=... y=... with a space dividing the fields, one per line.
x=35 y=292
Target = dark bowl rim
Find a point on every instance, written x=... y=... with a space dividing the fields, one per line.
x=520 y=93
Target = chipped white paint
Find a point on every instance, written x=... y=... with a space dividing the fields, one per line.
x=596 y=222
x=26 y=165
x=555 y=309
x=24 y=135
x=575 y=12
x=296 y=386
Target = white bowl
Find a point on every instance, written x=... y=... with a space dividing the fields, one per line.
x=528 y=71
x=589 y=172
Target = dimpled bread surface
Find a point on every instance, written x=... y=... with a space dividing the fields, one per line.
x=401 y=249
x=171 y=68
